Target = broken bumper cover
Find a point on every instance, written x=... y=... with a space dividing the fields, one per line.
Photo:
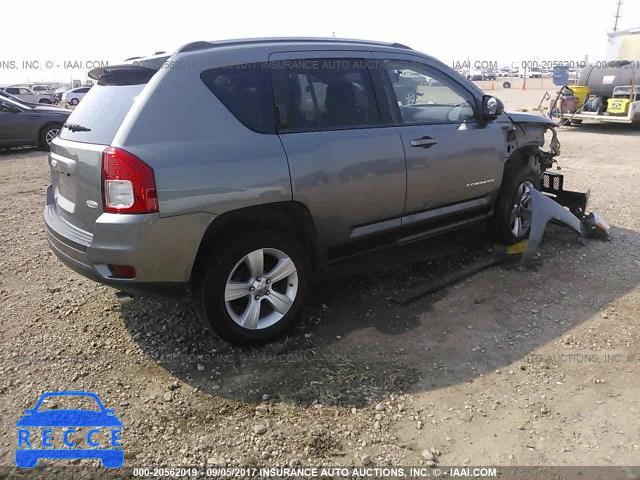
x=551 y=204
x=553 y=186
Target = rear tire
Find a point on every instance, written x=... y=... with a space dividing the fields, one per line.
x=252 y=287
x=74 y=101
x=47 y=134
x=512 y=220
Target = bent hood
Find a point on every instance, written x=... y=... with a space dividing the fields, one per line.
x=519 y=117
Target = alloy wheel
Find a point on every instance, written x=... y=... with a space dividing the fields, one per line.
x=520 y=220
x=51 y=134
x=261 y=288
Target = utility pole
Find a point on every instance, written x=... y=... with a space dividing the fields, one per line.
x=617 y=16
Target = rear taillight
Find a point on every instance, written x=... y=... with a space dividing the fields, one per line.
x=128 y=183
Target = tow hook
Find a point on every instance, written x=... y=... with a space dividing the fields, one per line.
x=125 y=298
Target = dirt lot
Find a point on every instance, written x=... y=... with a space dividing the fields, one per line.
x=509 y=367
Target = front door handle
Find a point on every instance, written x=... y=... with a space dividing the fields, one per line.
x=424 y=142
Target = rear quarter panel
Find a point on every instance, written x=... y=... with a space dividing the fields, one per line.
x=204 y=159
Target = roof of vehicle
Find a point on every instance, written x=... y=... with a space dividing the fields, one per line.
x=205 y=45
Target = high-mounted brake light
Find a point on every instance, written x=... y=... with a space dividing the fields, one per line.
x=128 y=183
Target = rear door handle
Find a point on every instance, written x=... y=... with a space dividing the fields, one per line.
x=424 y=142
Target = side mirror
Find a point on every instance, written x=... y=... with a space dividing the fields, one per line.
x=492 y=107
x=394 y=76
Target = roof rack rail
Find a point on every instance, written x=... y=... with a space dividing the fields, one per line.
x=193 y=46
x=203 y=45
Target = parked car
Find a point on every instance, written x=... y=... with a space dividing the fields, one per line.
x=43 y=89
x=534 y=72
x=74 y=95
x=474 y=74
x=489 y=74
x=58 y=94
x=28 y=95
x=4 y=94
x=22 y=124
x=405 y=85
x=235 y=180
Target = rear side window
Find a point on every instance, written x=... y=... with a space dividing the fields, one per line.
x=325 y=94
x=101 y=111
x=246 y=92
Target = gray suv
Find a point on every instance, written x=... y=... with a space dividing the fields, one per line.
x=230 y=170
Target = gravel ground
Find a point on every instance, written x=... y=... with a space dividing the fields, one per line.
x=536 y=367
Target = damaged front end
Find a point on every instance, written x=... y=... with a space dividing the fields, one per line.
x=527 y=134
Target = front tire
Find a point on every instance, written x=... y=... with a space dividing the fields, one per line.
x=74 y=101
x=512 y=220
x=253 y=287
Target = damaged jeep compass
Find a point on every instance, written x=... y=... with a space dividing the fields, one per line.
x=230 y=169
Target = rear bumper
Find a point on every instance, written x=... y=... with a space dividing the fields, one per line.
x=162 y=250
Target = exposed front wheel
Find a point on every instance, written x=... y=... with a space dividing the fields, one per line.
x=74 y=101
x=512 y=220
x=253 y=287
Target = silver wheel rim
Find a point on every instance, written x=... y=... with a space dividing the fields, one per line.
x=409 y=98
x=51 y=134
x=520 y=220
x=261 y=288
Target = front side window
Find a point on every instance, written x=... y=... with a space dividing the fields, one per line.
x=24 y=91
x=325 y=94
x=246 y=92
x=425 y=96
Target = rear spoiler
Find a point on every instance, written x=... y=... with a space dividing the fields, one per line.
x=134 y=73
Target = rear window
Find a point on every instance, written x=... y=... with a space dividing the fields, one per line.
x=246 y=92
x=102 y=110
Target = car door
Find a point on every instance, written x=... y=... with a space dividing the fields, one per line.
x=346 y=166
x=15 y=124
x=454 y=161
x=28 y=95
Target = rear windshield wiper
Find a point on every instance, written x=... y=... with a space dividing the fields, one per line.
x=74 y=127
